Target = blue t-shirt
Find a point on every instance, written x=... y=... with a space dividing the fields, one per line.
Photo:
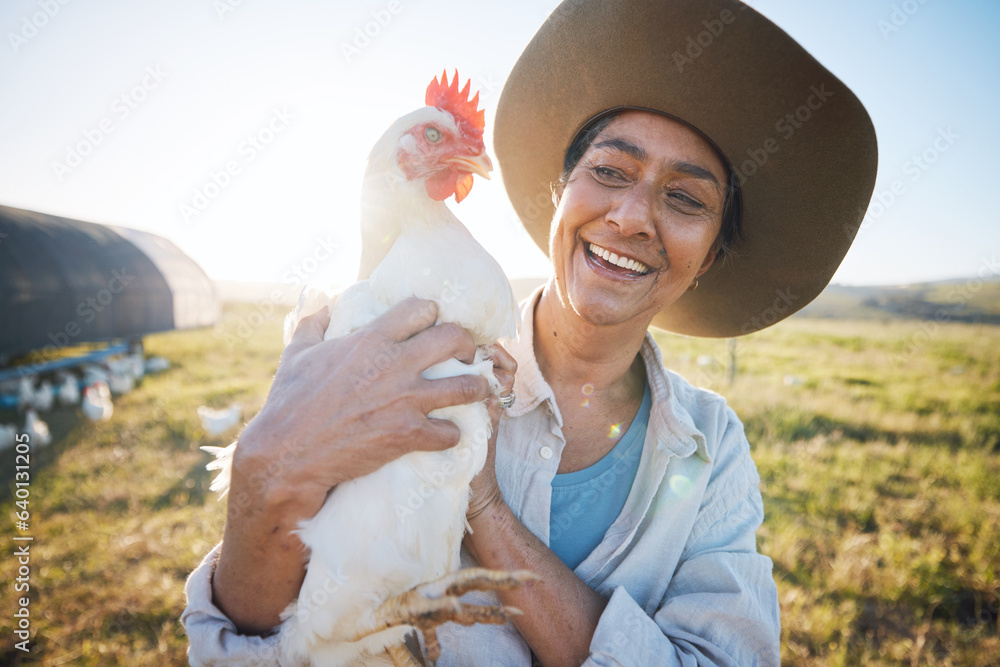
x=585 y=503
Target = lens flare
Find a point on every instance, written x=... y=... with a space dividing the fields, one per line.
x=681 y=485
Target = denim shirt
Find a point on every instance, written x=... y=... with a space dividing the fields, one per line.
x=679 y=566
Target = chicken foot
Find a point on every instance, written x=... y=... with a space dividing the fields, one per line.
x=429 y=605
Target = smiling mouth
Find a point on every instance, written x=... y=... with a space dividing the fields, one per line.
x=617 y=261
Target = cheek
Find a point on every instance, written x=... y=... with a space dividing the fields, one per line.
x=577 y=206
x=688 y=243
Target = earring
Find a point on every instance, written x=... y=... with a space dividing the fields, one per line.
x=693 y=286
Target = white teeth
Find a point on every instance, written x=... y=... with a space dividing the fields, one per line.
x=623 y=262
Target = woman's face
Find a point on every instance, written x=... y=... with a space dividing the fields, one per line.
x=648 y=194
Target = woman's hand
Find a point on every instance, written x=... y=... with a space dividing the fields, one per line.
x=342 y=408
x=485 y=490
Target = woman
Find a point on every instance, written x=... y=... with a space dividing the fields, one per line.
x=630 y=492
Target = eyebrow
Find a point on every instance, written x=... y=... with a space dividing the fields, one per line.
x=696 y=172
x=638 y=153
x=624 y=146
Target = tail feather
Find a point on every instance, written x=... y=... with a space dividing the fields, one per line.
x=224 y=464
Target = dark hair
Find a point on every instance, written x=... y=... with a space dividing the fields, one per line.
x=730 y=233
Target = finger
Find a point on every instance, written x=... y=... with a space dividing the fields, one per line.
x=506 y=381
x=436 y=344
x=310 y=329
x=457 y=390
x=406 y=319
x=440 y=434
x=502 y=358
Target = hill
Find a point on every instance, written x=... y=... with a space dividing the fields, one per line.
x=974 y=300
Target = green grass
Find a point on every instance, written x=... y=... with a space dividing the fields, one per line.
x=880 y=470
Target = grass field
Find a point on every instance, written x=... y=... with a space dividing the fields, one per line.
x=878 y=447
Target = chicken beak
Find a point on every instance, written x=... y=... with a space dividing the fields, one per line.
x=477 y=164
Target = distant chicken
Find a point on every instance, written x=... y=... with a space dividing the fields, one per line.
x=217 y=422
x=121 y=378
x=69 y=390
x=157 y=364
x=25 y=392
x=392 y=566
x=96 y=404
x=37 y=430
x=44 y=397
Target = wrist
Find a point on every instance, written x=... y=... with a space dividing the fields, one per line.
x=264 y=479
x=477 y=506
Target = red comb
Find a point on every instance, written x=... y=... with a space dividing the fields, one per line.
x=448 y=97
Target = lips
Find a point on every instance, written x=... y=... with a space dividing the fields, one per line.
x=619 y=261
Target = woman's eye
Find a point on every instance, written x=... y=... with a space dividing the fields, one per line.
x=608 y=174
x=684 y=200
x=432 y=134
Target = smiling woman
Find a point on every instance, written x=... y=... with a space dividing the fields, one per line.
x=628 y=491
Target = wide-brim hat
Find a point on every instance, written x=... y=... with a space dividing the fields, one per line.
x=799 y=140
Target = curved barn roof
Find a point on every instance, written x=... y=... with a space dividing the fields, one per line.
x=65 y=282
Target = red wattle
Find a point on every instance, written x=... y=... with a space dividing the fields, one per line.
x=441 y=185
x=463 y=185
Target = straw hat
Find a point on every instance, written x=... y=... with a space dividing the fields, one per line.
x=799 y=140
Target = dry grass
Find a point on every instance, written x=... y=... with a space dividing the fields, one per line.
x=880 y=469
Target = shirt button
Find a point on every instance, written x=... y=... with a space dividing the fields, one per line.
x=545 y=453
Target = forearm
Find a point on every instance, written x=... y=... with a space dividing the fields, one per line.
x=261 y=564
x=560 y=611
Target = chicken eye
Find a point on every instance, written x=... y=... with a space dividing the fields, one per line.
x=432 y=134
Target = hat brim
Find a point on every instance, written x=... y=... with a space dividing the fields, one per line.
x=799 y=140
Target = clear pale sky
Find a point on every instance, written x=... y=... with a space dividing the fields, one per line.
x=155 y=99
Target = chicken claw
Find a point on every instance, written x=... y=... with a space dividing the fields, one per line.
x=429 y=605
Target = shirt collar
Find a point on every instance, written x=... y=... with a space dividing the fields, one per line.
x=669 y=419
x=529 y=385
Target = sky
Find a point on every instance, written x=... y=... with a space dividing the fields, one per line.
x=239 y=129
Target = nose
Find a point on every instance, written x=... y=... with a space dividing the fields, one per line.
x=632 y=212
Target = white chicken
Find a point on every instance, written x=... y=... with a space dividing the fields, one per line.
x=25 y=392
x=157 y=364
x=217 y=422
x=44 y=397
x=96 y=404
x=37 y=430
x=387 y=561
x=69 y=390
x=121 y=378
